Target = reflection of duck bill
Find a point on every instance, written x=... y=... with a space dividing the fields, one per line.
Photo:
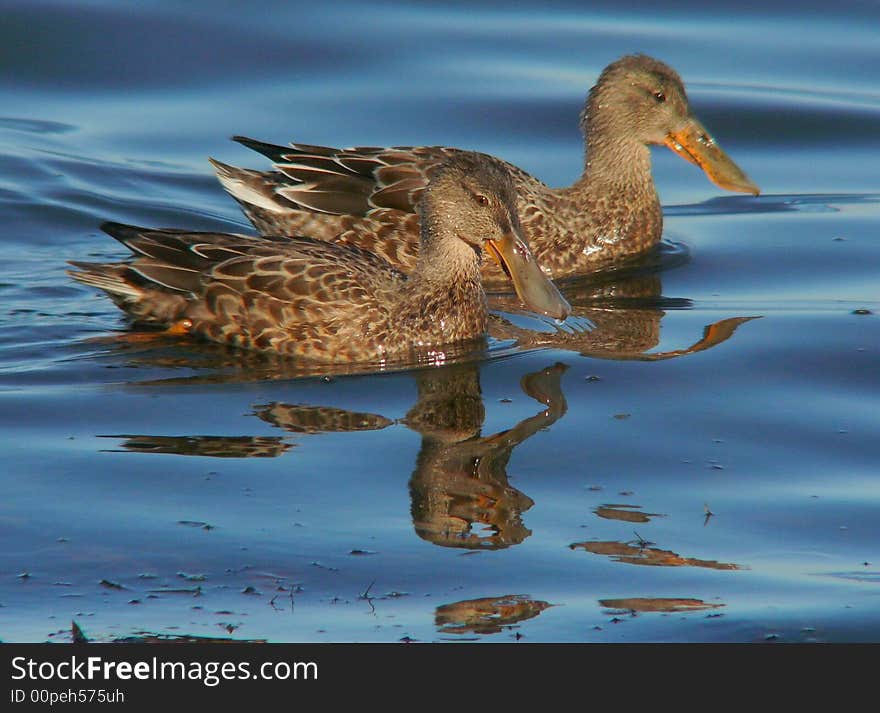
x=695 y=144
x=532 y=286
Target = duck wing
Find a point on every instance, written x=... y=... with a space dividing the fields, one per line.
x=228 y=283
x=352 y=181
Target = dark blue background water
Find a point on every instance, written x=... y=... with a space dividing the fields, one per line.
x=154 y=488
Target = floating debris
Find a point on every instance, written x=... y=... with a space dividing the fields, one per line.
x=323 y=566
x=194 y=591
x=77 y=634
x=627 y=513
x=195 y=523
x=143 y=637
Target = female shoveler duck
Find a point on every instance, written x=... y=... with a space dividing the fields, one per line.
x=332 y=302
x=368 y=196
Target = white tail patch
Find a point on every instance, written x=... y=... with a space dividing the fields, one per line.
x=240 y=189
x=108 y=282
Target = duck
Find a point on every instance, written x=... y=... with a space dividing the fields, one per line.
x=611 y=214
x=334 y=302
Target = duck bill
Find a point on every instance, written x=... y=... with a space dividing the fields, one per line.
x=693 y=143
x=532 y=286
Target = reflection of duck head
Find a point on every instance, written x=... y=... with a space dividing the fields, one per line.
x=460 y=478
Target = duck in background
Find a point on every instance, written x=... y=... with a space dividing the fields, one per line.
x=368 y=196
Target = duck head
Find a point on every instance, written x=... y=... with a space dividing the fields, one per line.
x=471 y=202
x=638 y=98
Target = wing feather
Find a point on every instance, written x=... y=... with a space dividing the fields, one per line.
x=350 y=181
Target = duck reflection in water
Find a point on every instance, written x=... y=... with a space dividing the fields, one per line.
x=460 y=493
x=460 y=480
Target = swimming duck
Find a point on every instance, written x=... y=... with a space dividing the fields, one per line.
x=333 y=302
x=367 y=196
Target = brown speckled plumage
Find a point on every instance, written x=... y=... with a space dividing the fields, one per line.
x=367 y=196
x=320 y=300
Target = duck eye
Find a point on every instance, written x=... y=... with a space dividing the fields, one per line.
x=481 y=199
x=660 y=97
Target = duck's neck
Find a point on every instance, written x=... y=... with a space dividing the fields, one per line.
x=614 y=206
x=616 y=166
x=444 y=294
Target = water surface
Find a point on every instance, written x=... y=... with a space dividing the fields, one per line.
x=700 y=466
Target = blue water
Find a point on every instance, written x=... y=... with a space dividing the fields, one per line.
x=655 y=483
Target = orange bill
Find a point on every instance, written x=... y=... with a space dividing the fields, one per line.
x=532 y=286
x=696 y=145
